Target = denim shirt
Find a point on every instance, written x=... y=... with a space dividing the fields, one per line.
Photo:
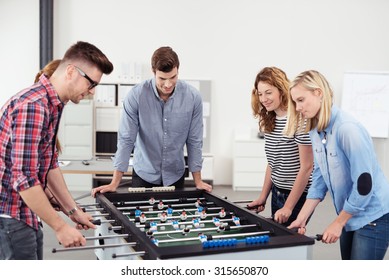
x=346 y=167
x=158 y=132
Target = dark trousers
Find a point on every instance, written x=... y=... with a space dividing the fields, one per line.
x=279 y=197
x=18 y=241
x=139 y=182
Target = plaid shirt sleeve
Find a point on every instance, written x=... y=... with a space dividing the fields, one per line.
x=27 y=139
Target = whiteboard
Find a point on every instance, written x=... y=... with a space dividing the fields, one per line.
x=366 y=97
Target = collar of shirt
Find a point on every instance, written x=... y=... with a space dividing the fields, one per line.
x=51 y=92
x=154 y=85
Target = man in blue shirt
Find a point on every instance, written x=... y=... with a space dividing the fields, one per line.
x=161 y=115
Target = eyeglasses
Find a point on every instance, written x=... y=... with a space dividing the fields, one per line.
x=82 y=73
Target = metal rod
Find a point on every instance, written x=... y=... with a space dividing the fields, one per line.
x=99 y=215
x=186 y=223
x=242 y=201
x=89 y=247
x=174 y=211
x=106 y=236
x=82 y=196
x=241 y=234
x=164 y=206
x=166 y=200
x=107 y=221
x=88 y=204
x=115 y=228
x=216 y=236
x=317 y=237
x=139 y=253
x=178 y=240
x=93 y=209
x=200 y=230
x=178 y=217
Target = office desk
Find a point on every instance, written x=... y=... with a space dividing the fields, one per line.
x=102 y=167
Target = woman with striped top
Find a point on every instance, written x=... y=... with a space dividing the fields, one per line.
x=290 y=159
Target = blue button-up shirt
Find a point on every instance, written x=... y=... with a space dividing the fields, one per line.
x=346 y=154
x=158 y=132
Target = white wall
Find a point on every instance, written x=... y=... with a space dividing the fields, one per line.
x=227 y=42
x=19 y=47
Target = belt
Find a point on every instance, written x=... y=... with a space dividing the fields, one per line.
x=5 y=216
x=284 y=191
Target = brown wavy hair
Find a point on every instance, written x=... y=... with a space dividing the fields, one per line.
x=274 y=77
x=164 y=59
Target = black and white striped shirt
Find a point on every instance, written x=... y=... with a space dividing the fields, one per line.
x=282 y=155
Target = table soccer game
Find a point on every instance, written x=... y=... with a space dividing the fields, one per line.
x=166 y=223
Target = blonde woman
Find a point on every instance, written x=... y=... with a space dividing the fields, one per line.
x=345 y=166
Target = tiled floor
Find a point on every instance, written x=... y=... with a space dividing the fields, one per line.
x=323 y=215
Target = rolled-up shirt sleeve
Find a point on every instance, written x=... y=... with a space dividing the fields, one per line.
x=26 y=137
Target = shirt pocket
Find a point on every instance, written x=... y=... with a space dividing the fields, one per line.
x=333 y=159
x=179 y=123
x=320 y=157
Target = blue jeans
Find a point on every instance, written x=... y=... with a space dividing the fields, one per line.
x=18 y=241
x=278 y=200
x=367 y=243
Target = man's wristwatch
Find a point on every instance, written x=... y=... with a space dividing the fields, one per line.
x=71 y=212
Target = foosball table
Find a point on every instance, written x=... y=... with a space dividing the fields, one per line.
x=188 y=224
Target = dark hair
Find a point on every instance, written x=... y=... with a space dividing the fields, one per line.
x=274 y=77
x=164 y=59
x=89 y=54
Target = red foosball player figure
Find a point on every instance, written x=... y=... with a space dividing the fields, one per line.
x=222 y=213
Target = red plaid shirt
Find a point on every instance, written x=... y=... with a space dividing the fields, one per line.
x=28 y=125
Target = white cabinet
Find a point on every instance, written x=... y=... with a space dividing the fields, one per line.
x=76 y=130
x=76 y=137
x=108 y=107
x=249 y=161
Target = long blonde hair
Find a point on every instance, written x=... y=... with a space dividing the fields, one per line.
x=311 y=80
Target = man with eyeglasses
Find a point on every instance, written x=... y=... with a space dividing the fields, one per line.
x=161 y=116
x=29 y=160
